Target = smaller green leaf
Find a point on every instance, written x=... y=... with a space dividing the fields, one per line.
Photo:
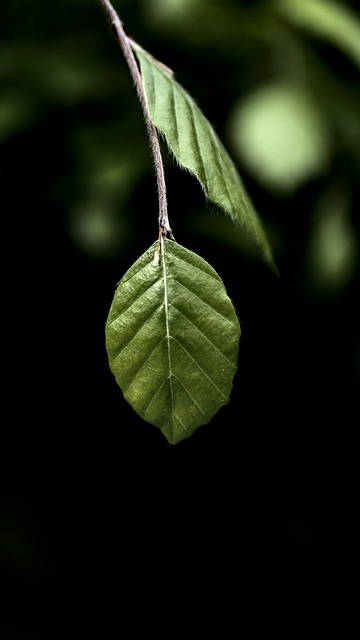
x=197 y=148
x=172 y=339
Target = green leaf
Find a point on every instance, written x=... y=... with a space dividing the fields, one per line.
x=197 y=148
x=172 y=338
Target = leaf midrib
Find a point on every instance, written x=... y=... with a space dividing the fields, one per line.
x=166 y=309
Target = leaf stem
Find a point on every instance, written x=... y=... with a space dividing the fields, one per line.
x=118 y=29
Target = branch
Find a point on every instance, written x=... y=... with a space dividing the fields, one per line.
x=118 y=29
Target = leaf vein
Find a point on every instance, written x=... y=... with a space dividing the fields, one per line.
x=136 y=301
x=176 y=118
x=155 y=394
x=200 y=369
x=190 y=396
x=143 y=364
x=197 y=139
x=194 y=266
x=201 y=333
x=174 y=416
x=224 y=171
x=166 y=307
x=203 y=301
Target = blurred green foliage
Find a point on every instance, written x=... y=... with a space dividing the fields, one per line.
x=278 y=79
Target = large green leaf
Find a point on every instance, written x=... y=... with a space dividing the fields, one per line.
x=172 y=338
x=197 y=148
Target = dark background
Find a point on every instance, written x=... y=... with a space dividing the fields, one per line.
x=249 y=527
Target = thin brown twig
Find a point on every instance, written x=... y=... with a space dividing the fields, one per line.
x=124 y=42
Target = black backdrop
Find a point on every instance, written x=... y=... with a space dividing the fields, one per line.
x=246 y=528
